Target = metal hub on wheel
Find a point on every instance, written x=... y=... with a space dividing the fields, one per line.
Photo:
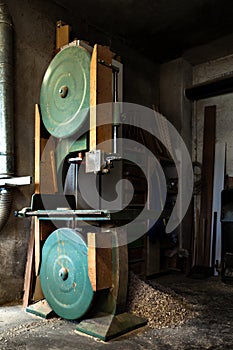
x=64 y=274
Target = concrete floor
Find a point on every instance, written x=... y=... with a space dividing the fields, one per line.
x=21 y=330
x=211 y=330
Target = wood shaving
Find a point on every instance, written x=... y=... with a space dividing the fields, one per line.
x=161 y=306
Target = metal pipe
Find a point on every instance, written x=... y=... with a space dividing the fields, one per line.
x=6 y=196
x=6 y=111
x=6 y=94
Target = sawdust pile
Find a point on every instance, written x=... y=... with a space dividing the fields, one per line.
x=161 y=306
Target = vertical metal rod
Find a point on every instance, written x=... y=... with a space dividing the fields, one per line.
x=115 y=73
x=115 y=99
x=76 y=183
x=114 y=139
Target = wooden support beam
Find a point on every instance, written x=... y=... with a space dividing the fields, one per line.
x=93 y=98
x=100 y=92
x=37 y=186
x=99 y=260
x=62 y=35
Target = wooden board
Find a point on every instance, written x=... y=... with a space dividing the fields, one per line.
x=42 y=231
x=45 y=179
x=204 y=236
x=100 y=92
x=62 y=35
x=28 y=278
x=219 y=174
x=99 y=260
x=48 y=175
x=38 y=293
x=45 y=166
x=93 y=97
x=54 y=170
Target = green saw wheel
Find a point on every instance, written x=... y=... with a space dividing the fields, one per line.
x=65 y=92
x=64 y=274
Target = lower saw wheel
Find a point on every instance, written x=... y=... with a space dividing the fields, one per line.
x=64 y=274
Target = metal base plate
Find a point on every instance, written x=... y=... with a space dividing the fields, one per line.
x=106 y=326
x=41 y=308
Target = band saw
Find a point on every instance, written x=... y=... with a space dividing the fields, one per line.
x=83 y=267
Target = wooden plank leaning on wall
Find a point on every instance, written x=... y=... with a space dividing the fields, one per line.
x=33 y=244
x=204 y=234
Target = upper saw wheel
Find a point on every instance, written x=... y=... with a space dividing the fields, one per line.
x=65 y=92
